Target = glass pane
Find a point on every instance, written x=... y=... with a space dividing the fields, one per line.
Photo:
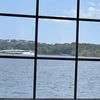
x=17 y=36
x=56 y=38
x=90 y=9
x=89 y=39
x=62 y=8
x=18 y=6
x=89 y=79
x=55 y=79
x=16 y=78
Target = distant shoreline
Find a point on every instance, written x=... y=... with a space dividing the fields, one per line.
x=51 y=56
x=84 y=49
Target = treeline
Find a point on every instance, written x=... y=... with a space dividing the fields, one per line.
x=16 y=44
x=52 y=49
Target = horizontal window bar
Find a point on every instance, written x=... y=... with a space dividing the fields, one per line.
x=34 y=16
x=80 y=59
x=67 y=99
x=15 y=99
x=55 y=58
x=89 y=59
x=46 y=99
x=54 y=99
x=30 y=57
x=69 y=18
x=60 y=18
x=17 y=57
x=48 y=17
x=91 y=20
x=17 y=15
x=51 y=58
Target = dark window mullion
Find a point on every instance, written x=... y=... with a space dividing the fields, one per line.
x=76 y=56
x=36 y=43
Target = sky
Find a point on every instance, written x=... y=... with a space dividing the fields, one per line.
x=50 y=31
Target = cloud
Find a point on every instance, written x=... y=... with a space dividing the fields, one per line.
x=70 y=13
x=91 y=11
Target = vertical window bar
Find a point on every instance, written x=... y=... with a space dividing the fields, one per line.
x=36 y=43
x=76 y=57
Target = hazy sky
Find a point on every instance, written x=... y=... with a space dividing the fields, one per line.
x=50 y=31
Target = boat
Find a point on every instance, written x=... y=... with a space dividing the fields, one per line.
x=28 y=53
x=18 y=52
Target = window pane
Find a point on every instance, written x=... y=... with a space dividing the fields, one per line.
x=17 y=36
x=55 y=79
x=18 y=6
x=90 y=9
x=16 y=78
x=61 y=8
x=89 y=39
x=56 y=38
x=89 y=79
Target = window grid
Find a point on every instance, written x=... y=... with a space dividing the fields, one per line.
x=76 y=59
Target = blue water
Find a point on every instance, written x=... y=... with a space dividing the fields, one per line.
x=55 y=79
x=16 y=78
x=89 y=79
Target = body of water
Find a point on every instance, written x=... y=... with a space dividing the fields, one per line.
x=55 y=79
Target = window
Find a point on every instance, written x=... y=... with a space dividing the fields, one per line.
x=90 y=9
x=55 y=84
x=88 y=79
x=49 y=49
x=18 y=7
x=58 y=8
x=57 y=37
x=16 y=78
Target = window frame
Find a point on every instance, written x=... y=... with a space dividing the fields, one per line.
x=35 y=58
